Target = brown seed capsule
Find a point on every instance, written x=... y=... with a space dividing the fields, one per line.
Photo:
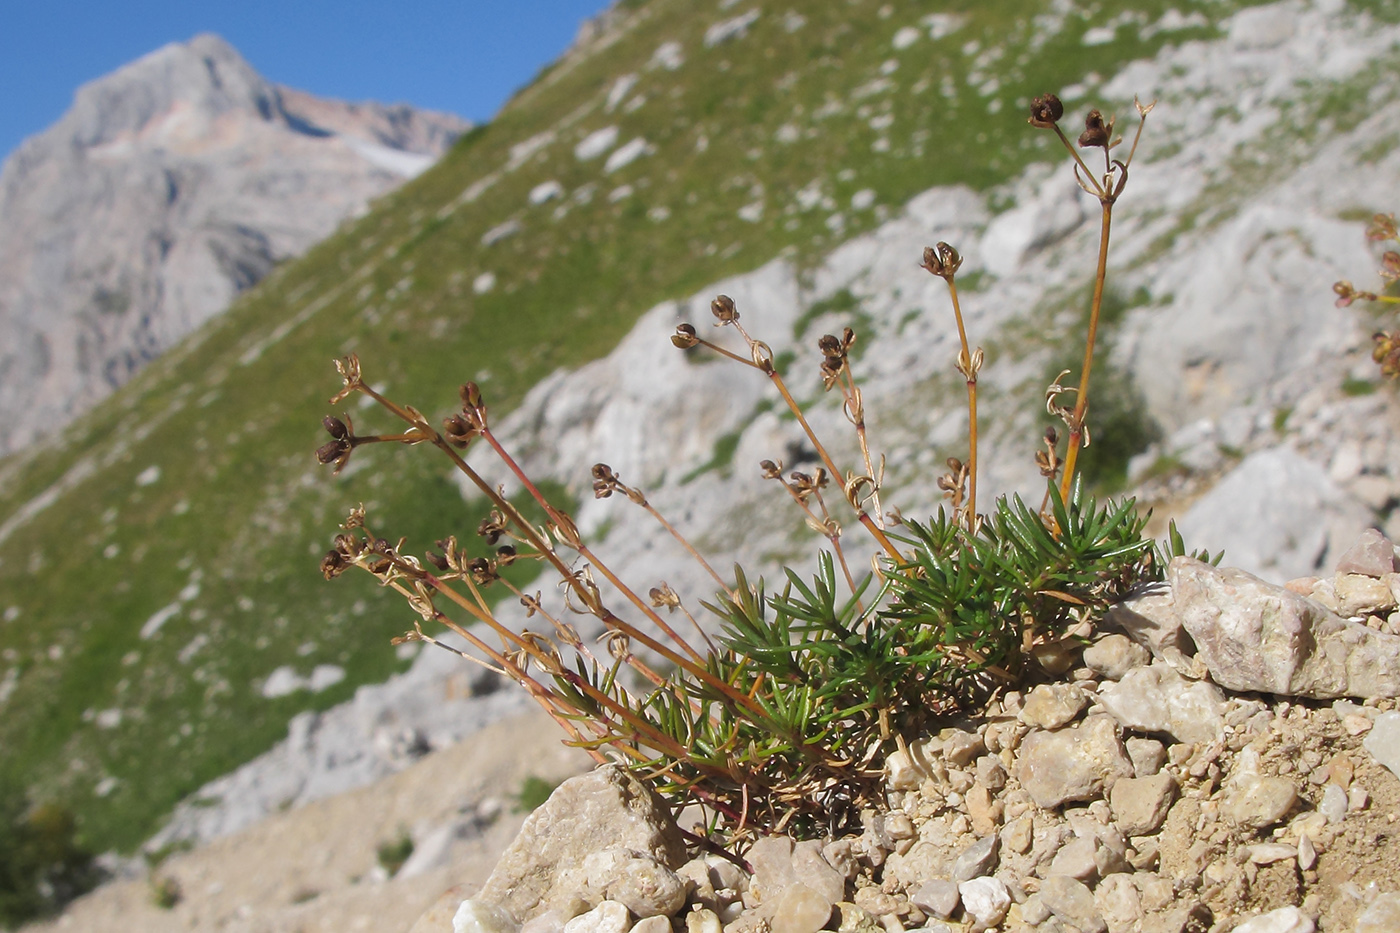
x=1046 y=111
x=684 y=337
x=332 y=451
x=437 y=560
x=1096 y=131
x=770 y=469
x=723 y=309
x=332 y=565
x=830 y=346
x=335 y=427
x=471 y=395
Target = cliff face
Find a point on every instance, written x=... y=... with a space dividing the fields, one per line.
x=170 y=186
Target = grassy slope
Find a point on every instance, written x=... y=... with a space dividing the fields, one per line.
x=231 y=529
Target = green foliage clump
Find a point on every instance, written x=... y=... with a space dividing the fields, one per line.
x=42 y=864
x=534 y=790
x=392 y=854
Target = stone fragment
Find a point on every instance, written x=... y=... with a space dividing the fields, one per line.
x=816 y=873
x=1114 y=655
x=876 y=902
x=1307 y=853
x=703 y=921
x=1140 y=805
x=902 y=772
x=1050 y=706
x=921 y=863
x=607 y=917
x=1055 y=657
x=1188 y=918
x=851 y=919
x=1333 y=804
x=991 y=774
x=960 y=747
x=1283 y=920
x=588 y=813
x=639 y=881
x=1119 y=903
x=1257 y=801
x=1383 y=742
x=1373 y=555
x=1359 y=595
x=1266 y=853
x=1076 y=859
x=476 y=916
x=937 y=898
x=1149 y=619
x=771 y=860
x=1016 y=835
x=898 y=826
x=551 y=921
x=799 y=909
x=658 y=924
x=1147 y=755
x=1158 y=699
x=1383 y=916
x=984 y=810
x=1074 y=763
x=976 y=860
x=985 y=900
x=1073 y=903
x=1257 y=637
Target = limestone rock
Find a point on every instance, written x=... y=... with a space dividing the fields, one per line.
x=976 y=860
x=1383 y=741
x=1254 y=636
x=799 y=909
x=936 y=898
x=985 y=900
x=1141 y=804
x=1072 y=764
x=1050 y=706
x=1383 y=916
x=1073 y=903
x=606 y=808
x=1373 y=555
x=475 y=916
x=1258 y=801
x=607 y=917
x=1283 y=920
x=1114 y=655
x=1157 y=699
x=636 y=880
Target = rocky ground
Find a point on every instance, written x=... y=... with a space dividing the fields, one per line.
x=1205 y=785
x=314 y=868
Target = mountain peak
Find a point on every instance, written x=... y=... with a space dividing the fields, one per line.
x=205 y=74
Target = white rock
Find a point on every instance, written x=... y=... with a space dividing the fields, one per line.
x=626 y=154
x=1383 y=741
x=546 y=191
x=986 y=900
x=1283 y=920
x=474 y=916
x=596 y=143
x=735 y=28
x=607 y=917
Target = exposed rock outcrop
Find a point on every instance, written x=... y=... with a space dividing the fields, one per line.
x=170 y=186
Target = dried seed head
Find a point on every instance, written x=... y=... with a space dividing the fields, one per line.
x=492 y=527
x=830 y=347
x=1386 y=352
x=1046 y=111
x=335 y=427
x=942 y=260
x=333 y=565
x=723 y=309
x=506 y=555
x=1382 y=228
x=1390 y=265
x=471 y=395
x=685 y=337
x=437 y=560
x=770 y=469
x=1347 y=293
x=458 y=431
x=1096 y=131
x=333 y=451
x=663 y=596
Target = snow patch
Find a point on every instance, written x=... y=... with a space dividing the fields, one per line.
x=499 y=232
x=668 y=55
x=148 y=476
x=546 y=191
x=159 y=618
x=620 y=89
x=484 y=283
x=905 y=38
x=396 y=161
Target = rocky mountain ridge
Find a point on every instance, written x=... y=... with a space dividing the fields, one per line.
x=171 y=186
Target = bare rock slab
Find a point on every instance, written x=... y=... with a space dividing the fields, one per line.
x=603 y=809
x=1254 y=636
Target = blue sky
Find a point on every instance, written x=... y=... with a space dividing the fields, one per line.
x=464 y=57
